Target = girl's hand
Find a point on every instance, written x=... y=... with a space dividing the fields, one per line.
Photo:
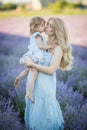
x=16 y=82
x=28 y=62
x=53 y=45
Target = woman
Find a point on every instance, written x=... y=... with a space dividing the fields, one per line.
x=45 y=113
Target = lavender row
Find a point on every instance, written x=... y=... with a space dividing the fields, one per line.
x=71 y=87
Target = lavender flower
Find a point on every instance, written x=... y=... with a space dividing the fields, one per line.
x=9 y=119
x=71 y=86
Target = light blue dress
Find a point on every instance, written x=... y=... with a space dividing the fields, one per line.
x=37 y=55
x=45 y=113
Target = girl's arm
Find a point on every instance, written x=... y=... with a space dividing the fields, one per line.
x=54 y=65
x=41 y=45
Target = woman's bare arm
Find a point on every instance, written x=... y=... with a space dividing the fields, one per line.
x=54 y=65
x=41 y=45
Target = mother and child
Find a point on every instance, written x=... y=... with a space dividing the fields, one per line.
x=45 y=55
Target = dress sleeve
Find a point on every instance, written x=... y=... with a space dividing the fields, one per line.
x=36 y=34
x=33 y=42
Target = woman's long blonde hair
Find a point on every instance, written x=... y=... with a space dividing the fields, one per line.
x=63 y=41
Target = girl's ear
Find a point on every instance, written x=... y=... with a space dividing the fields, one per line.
x=36 y=28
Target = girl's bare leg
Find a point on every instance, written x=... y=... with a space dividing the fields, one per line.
x=31 y=84
x=20 y=76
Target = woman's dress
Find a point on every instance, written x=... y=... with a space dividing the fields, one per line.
x=45 y=113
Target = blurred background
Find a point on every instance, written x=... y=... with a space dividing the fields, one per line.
x=18 y=12
x=14 y=39
x=52 y=6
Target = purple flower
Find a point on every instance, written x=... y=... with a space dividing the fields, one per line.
x=71 y=86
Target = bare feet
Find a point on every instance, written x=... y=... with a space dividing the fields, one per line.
x=30 y=96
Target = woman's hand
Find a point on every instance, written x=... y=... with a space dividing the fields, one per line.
x=28 y=62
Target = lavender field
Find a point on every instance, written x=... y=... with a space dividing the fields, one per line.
x=71 y=86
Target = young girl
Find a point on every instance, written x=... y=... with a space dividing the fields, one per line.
x=36 y=52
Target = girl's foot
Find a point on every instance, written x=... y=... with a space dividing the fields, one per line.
x=30 y=97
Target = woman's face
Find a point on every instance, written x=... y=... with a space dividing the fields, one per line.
x=49 y=29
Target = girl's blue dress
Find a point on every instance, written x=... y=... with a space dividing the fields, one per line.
x=45 y=113
x=36 y=54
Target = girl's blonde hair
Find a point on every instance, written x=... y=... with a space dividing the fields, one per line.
x=35 y=21
x=63 y=41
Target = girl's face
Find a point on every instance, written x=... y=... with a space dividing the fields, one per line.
x=41 y=27
x=49 y=29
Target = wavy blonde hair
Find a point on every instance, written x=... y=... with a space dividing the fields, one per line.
x=35 y=21
x=63 y=41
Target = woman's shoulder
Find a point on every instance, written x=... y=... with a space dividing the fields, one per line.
x=58 y=49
